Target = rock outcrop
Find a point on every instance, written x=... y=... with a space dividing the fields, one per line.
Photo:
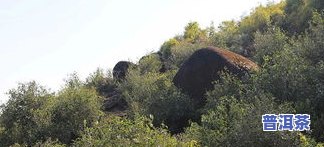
x=115 y=104
x=198 y=72
x=120 y=69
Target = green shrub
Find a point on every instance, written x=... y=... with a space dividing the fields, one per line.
x=71 y=111
x=49 y=143
x=268 y=43
x=287 y=76
x=115 y=131
x=150 y=63
x=165 y=48
x=193 y=33
x=154 y=94
x=227 y=36
x=182 y=52
x=318 y=102
x=18 y=119
x=102 y=82
x=310 y=45
x=233 y=117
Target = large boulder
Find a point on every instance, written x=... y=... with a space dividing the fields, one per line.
x=120 y=69
x=197 y=73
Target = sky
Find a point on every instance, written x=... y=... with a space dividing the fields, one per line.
x=46 y=40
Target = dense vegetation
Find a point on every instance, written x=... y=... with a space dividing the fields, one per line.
x=285 y=39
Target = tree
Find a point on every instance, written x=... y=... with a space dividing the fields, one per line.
x=259 y=20
x=298 y=14
x=72 y=111
x=165 y=49
x=193 y=33
x=269 y=43
x=227 y=36
x=310 y=45
x=18 y=117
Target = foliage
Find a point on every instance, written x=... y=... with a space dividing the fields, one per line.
x=227 y=36
x=165 y=49
x=259 y=20
x=176 y=50
x=47 y=143
x=234 y=111
x=33 y=114
x=311 y=44
x=318 y=102
x=182 y=52
x=285 y=39
x=150 y=63
x=286 y=76
x=17 y=120
x=154 y=94
x=115 y=131
x=269 y=43
x=193 y=33
x=71 y=111
x=298 y=14
x=103 y=83
x=292 y=70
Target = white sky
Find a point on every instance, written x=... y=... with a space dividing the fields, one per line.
x=45 y=40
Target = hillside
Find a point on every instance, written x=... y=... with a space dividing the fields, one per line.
x=205 y=87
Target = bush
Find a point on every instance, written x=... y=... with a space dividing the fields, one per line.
x=318 y=102
x=47 y=143
x=292 y=71
x=102 y=82
x=287 y=76
x=32 y=114
x=154 y=94
x=182 y=52
x=71 y=111
x=165 y=49
x=18 y=119
x=269 y=43
x=311 y=44
x=193 y=33
x=227 y=36
x=115 y=131
x=233 y=117
x=150 y=63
